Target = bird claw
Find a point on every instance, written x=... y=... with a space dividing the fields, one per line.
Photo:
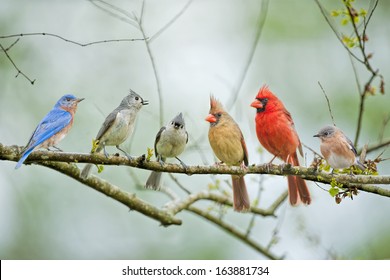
x=268 y=166
x=182 y=163
x=162 y=163
x=129 y=157
x=58 y=149
x=243 y=166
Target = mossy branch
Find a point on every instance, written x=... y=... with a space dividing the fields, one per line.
x=361 y=182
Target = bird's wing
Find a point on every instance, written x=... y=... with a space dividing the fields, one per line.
x=50 y=125
x=246 y=161
x=157 y=139
x=350 y=145
x=290 y=120
x=107 y=124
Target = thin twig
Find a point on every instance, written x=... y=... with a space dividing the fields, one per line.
x=325 y=13
x=385 y=122
x=233 y=231
x=115 y=12
x=260 y=25
x=16 y=67
x=13 y=44
x=172 y=21
x=71 y=41
x=327 y=101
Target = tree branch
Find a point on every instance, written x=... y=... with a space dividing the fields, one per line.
x=233 y=231
x=128 y=199
x=12 y=153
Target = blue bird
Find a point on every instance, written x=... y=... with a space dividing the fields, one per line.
x=53 y=127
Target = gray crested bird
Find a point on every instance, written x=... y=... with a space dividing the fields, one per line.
x=337 y=148
x=117 y=127
x=170 y=143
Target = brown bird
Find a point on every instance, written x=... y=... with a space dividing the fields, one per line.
x=228 y=144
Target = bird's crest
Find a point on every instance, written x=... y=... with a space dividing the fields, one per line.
x=265 y=92
x=215 y=105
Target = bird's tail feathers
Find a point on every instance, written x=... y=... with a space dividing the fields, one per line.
x=26 y=153
x=154 y=181
x=86 y=171
x=241 y=201
x=297 y=188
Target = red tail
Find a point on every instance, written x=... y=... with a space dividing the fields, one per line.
x=241 y=202
x=297 y=188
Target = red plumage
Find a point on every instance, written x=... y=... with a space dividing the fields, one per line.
x=276 y=133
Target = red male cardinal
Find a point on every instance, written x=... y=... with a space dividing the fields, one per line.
x=228 y=144
x=275 y=131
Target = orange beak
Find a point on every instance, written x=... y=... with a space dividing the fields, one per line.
x=257 y=104
x=211 y=118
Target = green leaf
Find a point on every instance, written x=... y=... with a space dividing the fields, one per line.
x=344 y=21
x=149 y=154
x=333 y=191
x=335 y=13
x=100 y=168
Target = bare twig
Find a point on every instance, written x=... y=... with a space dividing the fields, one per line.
x=170 y=22
x=16 y=67
x=260 y=25
x=156 y=74
x=385 y=122
x=115 y=12
x=327 y=100
x=71 y=41
x=233 y=231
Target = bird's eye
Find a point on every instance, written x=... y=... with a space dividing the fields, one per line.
x=68 y=99
x=219 y=115
x=136 y=98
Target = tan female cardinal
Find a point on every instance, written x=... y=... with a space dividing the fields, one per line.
x=228 y=144
x=275 y=131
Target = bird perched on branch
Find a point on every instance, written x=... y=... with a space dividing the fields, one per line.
x=53 y=127
x=276 y=133
x=229 y=146
x=117 y=127
x=170 y=142
x=337 y=149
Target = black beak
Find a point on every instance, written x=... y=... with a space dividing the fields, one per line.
x=317 y=135
x=145 y=102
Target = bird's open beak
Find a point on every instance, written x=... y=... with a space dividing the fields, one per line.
x=211 y=118
x=145 y=102
x=79 y=100
x=257 y=104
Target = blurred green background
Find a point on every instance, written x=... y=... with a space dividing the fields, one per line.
x=45 y=215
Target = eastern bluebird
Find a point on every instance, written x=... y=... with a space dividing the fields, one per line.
x=117 y=127
x=53 y=127
x=170 y=142
x=337 y=149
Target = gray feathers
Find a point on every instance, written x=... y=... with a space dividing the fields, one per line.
x=118 y=125
x=170 y=142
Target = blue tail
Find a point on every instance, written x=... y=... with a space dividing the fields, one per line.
x=24 y=157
